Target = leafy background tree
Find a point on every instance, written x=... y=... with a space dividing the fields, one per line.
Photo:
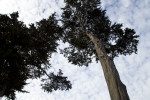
x=25 y=52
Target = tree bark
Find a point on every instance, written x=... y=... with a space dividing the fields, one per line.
x=117 y=89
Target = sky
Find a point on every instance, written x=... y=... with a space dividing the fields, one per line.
x=88 y=82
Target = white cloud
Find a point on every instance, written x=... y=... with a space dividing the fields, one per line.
x=89 y=82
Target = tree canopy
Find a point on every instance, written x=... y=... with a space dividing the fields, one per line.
x=24 y=54
x=81 y=15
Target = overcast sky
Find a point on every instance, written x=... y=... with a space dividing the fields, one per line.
x=88 y=82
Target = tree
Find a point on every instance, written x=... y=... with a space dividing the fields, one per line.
x=24 y=54
x=90 y=34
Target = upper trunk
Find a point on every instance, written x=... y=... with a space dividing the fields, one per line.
x=117 y=89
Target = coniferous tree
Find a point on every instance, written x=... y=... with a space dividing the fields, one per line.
x=90 y=34
x=24 y=54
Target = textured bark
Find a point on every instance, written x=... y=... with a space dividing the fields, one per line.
x=117 y=89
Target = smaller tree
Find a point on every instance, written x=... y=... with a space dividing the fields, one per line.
x=24 y=54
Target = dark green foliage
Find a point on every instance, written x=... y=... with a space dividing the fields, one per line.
x=43 y=42
x=13 y=48
x=54 y=82
x=80 y=16
x=24 y=52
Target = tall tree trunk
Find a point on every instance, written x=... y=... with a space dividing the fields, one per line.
x=117 y=89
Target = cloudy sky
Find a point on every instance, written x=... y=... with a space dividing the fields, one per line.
x=88 y=82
